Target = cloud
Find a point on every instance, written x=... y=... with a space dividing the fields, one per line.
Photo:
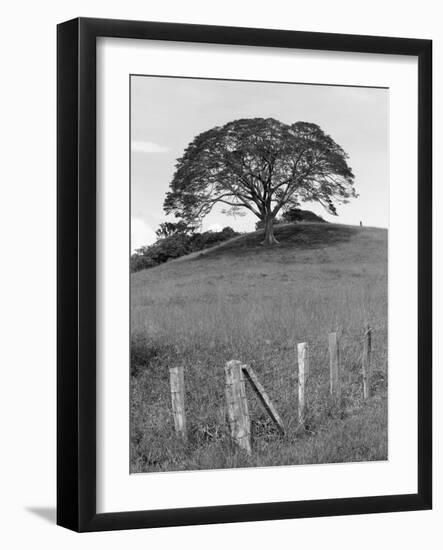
x=148 y=147
x=141 y=234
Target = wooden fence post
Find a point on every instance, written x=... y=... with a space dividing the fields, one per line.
x=334 y=366
x=177 y=380
x=237 y=406
x=366 y=363
x=264 y=397
x=303 y=370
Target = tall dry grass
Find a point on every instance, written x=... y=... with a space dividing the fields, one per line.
x=253 y=304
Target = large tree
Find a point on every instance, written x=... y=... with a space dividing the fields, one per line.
x=261 y=165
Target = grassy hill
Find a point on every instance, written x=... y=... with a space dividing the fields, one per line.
x=243 y=301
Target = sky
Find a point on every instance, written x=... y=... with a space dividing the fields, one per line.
x=167 y=113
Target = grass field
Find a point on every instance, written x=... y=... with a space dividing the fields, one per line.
x=243 y=301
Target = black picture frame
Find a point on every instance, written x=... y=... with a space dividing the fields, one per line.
x=76 y=266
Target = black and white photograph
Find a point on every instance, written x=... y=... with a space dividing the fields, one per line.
x=220 y=284
x=258 y=274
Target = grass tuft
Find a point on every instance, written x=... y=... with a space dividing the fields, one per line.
x=243 y=301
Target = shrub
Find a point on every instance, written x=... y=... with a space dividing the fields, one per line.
x=176 y=245
x=167 y=229
x=294 y=215
x=139 y=262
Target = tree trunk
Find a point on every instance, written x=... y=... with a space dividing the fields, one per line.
x=269 y=239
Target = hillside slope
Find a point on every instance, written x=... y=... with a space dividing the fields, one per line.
x=306 y=253
x=243 y=301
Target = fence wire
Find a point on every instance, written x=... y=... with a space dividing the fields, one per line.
x=277 y=370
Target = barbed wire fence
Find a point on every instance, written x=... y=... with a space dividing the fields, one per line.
x=225 y=404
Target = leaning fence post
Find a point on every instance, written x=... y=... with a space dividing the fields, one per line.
x=177 y=380
x=366 y=363
x=334 y=366
x=264 y=397
x=237 y=406
x=303 y=369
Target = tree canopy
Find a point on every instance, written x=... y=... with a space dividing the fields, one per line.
x=166 y=229
x=261 y=165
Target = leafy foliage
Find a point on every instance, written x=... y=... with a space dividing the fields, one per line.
x=294 y=215
x=167 y=229
x=261 y=165
x=240 y=301
x=175 y=245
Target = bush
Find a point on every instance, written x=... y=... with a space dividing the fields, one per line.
x=167 y=229
x=294 y=215
x=139 y=262
x=176 y=245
